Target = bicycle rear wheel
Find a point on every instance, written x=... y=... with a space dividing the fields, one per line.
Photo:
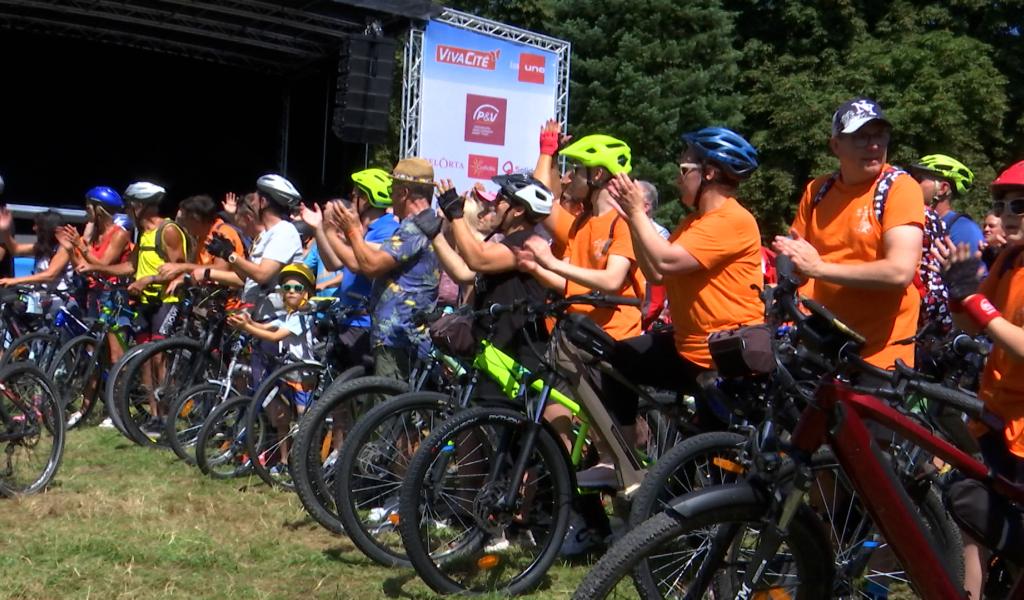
x=33 y=430
x=461 y=530
x=77 y=374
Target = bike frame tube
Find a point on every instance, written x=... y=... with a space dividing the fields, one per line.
x=837 y=417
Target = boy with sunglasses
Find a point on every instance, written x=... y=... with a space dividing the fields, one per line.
x=294 y=332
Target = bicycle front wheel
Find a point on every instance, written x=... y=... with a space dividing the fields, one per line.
x=705 y=554
x=33 y=433
x=466 y=526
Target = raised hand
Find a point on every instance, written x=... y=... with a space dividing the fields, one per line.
x=311 y=216
x=230 y=203
x=448 y=199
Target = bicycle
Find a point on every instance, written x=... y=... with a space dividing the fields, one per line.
x=711 y=525
x=485 y=503
x=32 y=430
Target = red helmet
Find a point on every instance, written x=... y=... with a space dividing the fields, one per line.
x=1013 y=176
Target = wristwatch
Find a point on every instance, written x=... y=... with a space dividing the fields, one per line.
x=232 y=258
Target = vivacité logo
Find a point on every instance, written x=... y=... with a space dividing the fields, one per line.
x=465 y=57
x=482 y=167
x=485 y=119
x=531 y=68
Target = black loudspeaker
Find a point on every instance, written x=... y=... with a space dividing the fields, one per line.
x=365 y=73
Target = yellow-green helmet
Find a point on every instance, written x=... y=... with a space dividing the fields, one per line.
x=600 y=151
x=300 y=271
x=948 y=168
x=376 y=184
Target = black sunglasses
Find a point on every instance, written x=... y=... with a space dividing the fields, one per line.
x=1016 y=206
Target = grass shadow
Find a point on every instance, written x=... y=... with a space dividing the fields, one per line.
x=393 y=587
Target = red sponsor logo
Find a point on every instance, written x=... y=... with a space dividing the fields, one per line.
x=485 y=119
x=465 y=57
x=482 y=167
x=531 y=68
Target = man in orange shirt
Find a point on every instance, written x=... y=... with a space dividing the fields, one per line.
x=858 y=233
x=199 y=216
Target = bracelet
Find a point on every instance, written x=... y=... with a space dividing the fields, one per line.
x=980 y=310
x=206 y=274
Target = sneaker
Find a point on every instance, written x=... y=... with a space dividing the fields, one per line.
x=74 y=418
x=499 y=543
x=106 y=424
x=579 y=539
x=330 y=460
x=379 y=514
x=279 y=470
x=154 y=427
x=599 y=476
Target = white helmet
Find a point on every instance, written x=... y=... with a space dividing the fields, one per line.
x=527 y=190
x=280 y=190
x=144 y=192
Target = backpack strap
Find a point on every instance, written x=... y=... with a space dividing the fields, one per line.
x=882 y=189
x=823 y=190
x=186 y=241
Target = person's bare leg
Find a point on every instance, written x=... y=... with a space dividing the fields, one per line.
x=974 y=569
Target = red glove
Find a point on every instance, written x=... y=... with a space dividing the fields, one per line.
x=548 y=143
x=978 y=308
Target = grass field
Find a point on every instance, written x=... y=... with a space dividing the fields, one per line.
x=125 y=522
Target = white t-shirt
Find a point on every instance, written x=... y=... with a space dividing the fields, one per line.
x=299 y=344
x=280 y=243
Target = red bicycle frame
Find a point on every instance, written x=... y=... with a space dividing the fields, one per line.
x=837 y=417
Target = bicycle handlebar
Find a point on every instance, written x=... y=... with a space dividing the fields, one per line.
x=964 y=344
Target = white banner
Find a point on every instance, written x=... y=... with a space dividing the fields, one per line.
x=483 y=102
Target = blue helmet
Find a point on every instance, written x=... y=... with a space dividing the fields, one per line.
x=725 y=148
x=105 y=196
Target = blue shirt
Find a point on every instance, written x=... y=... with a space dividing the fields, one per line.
x=963 y=231
x=354 y=286
x=316 y=265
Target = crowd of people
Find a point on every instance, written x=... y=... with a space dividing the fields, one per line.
x=882 y=247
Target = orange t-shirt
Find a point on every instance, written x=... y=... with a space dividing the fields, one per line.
x=588 y=242
x=1002 y=384
x=844 y=229
x=219 y=226
x=727 y=244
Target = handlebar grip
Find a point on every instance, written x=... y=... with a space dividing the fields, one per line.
x=621 y=301
x=958 y=400
x=964 y=344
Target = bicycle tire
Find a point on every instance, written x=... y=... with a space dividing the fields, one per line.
x=219 y=451
x=307 y=457
x=30 y=424
x=469 y=563
x=78 y=382
x=187 y=359
x=257 y=417
x=365 y=460
x=612 y=575
x=187 y=416
x=687 y=467
x=36 y=346
x=117 y=384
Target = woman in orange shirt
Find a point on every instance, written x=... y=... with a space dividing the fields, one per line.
x=710 y=266
x=995 y=307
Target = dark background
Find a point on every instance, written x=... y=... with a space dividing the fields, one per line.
x=76 y=114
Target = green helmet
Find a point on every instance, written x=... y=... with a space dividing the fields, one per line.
x=600 y=151
x=376 y=184
x=948 y=168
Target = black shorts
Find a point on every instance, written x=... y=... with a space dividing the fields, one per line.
x=989 y=518
x=149 y=320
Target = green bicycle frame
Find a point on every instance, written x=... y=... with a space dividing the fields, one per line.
x=510 y=375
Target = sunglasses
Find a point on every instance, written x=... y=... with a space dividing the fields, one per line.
x=863 y=140
x=1015 y=206
x=293 y=287
x=685 y=168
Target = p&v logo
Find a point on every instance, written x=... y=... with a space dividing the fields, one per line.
x=531 y=68
x=485 y=119
x=465 y=57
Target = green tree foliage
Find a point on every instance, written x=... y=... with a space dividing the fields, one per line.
x=948 y=74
